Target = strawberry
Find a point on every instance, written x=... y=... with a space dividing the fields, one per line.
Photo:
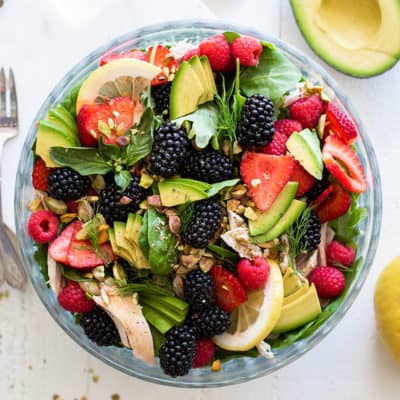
x=254 y=274
x=287 y=126
x=205 y=350
x=278 y=145
x=265 y=176
x=339 y=254
x=329 y=281
x=340 y=124
x=135 y=53
x=307 y=110
x=73 y=298
x=160 y=56
x=108 y=120
x=58 y=250
x=335 y=203
x=247 y=49
x=43 y=226
x=39 y=175
x=305 y=180
x=81 y=254
x=217 y=50
x=229 y=292
x=342 y=162
x=323 y=196
x=190 y=53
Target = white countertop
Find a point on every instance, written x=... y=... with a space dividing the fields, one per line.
x=41 y=40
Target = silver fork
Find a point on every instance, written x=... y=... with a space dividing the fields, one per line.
x=11 y=268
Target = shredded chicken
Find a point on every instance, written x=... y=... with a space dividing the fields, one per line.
x=322 y=245
x=330 y=235
x=305 y=263
x=235 y=220
x=56 y=279
x=239 y=240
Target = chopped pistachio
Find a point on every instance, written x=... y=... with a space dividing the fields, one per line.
x=35 y=204
x=145 y=180
x=85 y=210
x=58 y=207
x=99 y=273
x=68 y=217
x=250 y=213
x=119 y=272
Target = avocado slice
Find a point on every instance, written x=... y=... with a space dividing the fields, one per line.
x=266 y=220
x=200 y=185
x=119 y=251
x=209 y=74
x=63 y=118
x=174 y=315
x=122 y=243
x=291 y=215
x=201 y=73
x=358 y=38
x=173 y=194
x=292 y=282
x=305 y=147
x=162 y=323
x=186 y=91
x=298 y=293
x=299 y=312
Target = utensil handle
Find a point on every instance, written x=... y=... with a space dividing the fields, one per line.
x=10 y=261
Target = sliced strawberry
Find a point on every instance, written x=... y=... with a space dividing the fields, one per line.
x=109 y=120
x=160 y=56
x=335 y=205
x=305 y=180
x=39 y=175
x=265 y=176
x=340 y=124
x=81 y=254
x=342 y=162
x=323 y=196
x=58 y=249
x=139 y=54
x=229 y=292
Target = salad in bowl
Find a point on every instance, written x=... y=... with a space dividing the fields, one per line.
x=197 y=202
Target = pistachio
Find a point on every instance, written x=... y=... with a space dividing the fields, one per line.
x=102 y=237
x=250 y=214
x=206 y=263
x=177 y=286
x=238 y=191
x=226 y=147
x=237 y=148
x=144 y=205
x=91 y=288
x=119 y=272
x=232 y=205
x=85 y=210
x=58 y=207
x=82 y=234
x=68 y=217
x=35 y=204
x=92 y=199
x=98 y=183
x=99 y=273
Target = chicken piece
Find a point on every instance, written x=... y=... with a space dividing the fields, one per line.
x=322 y=245
x=56 y=279
x=239 y=240
x=235 y=220
x=305 y=263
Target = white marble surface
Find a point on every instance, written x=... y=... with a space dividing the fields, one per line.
x=41 y=40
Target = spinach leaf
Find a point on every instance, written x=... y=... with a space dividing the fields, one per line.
x=163 y=253
x=143 y=238
x=216 y=187
x=40 y=256
x=231 y=36
x=122 y=179
x=69 y=100
x=73 y=275
x=138 y=148
x=226 y=355
x=84 y=160
x=204 y=124
x=272 y=77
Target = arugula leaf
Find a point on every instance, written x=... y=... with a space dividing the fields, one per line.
x=231 y=36
x=216 y=187
x=40 y=256
x=122 y=179
x=138 y=148
x=346 y=227
x=204 y=124
x=69 y=100
x=272 y=77
x=72 y=274
x=84 y=160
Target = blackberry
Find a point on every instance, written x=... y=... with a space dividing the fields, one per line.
x=209 y=322
x=256 y=124
x=198 y=289
x=99 y=327
x=178 y=351
x=169 y=150
x=208 y=166
x=204 y=224
x=312 y=237
x=110 y=205
x=160 y=95
x=66 y=184
x=317 y=189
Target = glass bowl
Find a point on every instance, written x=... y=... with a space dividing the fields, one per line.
x=236 y=370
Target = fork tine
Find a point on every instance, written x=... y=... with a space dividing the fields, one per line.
x=13 y=96
x=2 y=93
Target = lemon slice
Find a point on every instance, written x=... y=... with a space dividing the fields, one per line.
x=120 y=77
x=387 y=307
x=254 y=320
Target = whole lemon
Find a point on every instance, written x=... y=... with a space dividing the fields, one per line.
x=387 y=306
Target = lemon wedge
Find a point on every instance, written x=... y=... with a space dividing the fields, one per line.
x=255 y=319
x=387 y=307
x=116 y=78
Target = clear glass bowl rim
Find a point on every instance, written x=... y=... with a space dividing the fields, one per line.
x=294 y=351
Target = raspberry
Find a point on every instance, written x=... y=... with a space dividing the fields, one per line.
x=338 y=253
x=307 y=110
x=329 y=281
x=205 y=350
x=39 y=175
x=190 y=53
x=287 y=126
x=254 y=274
x=73 y=298
x=217 y=50
x=247 y=49
x=278 y=145
x=43 y=226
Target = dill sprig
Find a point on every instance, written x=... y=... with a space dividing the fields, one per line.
x=185 y=212
x=92 y=227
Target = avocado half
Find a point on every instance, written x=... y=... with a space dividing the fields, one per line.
x=358 y=37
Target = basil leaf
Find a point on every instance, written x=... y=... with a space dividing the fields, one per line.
x=123 y=179
x=163 y=253
x=216 y=187
x=272 y=77
x=231 y=36
x=138 y=148
x=40 y=256
x=84 y=160
x=69 y=100
x=204 y=124
x=143 y=238
x=73 y=275
x=109 y=151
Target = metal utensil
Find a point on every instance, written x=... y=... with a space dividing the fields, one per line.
x=10 y=262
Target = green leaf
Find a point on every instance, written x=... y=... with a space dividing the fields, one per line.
x=109 y=151
x=138 y=148
x=216 y=187
x=231 y=36
x=69 y=100
x=146 y=287
x=204 y=124
x=73 y=274
x=158 y=340
x=272 y=77
x=143 y=238
x=185 y=212
x=84 y=160
x=123 y=179
x=266 y=44
x=226 y=355
x=40 y=256
x=224 y=254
